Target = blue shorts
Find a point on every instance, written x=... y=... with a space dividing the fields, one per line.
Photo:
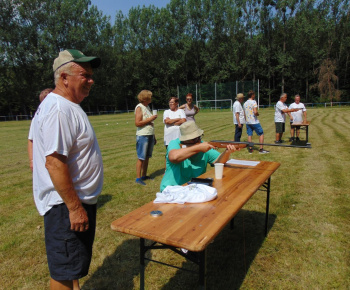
x=68 y=252
x=144 y=146
x=254 y=127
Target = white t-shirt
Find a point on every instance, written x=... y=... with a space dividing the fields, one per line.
x=279 y=115
x=249 y=106
x=298 y=115
x=62 y=126
x=172 y=132
x=237 y=108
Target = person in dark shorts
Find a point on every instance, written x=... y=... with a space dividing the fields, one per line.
x=71 y=249
x=67 y=170
x=238 y=116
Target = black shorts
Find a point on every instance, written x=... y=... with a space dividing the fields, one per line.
x=68 y=252
x=293 y=126
x=280 y=127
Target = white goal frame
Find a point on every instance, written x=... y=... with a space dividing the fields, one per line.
x=215 y=107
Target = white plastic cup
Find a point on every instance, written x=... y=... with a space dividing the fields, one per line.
x=154 y=112
x=219 y=170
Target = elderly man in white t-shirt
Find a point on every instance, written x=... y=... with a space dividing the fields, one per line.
x=68 y=170
x=296 y=117
x=238 y=116
x=280 y=117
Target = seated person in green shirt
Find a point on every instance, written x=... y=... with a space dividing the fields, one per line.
x=188 y=156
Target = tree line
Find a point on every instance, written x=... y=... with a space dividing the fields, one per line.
x=293 y=46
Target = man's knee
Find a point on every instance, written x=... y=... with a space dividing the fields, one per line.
x=61 y=285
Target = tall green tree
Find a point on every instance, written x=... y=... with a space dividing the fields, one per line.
x=32 y=34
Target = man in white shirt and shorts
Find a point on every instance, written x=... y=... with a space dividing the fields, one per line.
x=296 y=117
x=252 y=122
x=68 y=170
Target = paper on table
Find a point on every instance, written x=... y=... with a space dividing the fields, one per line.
x=243 y=162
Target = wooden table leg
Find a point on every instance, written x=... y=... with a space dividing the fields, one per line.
x=267 y=204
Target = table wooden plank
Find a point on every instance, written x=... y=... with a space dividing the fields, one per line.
x=194 y=226
x=307 y=123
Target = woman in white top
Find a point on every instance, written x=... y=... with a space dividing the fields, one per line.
x=145 y=138
x=172 y=119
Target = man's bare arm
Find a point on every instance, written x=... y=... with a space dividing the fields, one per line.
x=237 y=119
x=224 y=156
x=61 y=179
x=179 y=155
x=30 y=153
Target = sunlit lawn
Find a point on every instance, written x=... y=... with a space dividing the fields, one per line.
x=308 y=242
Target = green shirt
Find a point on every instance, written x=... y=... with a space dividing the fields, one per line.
x=180 y=173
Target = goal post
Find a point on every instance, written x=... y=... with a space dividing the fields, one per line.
x=215 y=104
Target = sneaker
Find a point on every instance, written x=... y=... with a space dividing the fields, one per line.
x=278 y=142
x=146 y=178
x=297 y=139
x=262 y=151
x=140 y=181
x=291 y=139
x=250 y=150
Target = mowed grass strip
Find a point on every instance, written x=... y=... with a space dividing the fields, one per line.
x=308 y=241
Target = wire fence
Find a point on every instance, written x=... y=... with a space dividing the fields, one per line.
x=209 y=107
x=317 y=105
x=217 y=91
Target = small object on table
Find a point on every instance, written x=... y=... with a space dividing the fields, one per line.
x=156 y=213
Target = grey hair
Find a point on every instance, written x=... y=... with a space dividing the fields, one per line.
x=66 y=68
x=297 y=95
x=283 y=94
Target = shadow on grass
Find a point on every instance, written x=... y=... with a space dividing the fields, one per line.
x=157 y=173
x=119 y=269
x=228 y=259
x=229 y=256
x=103 y=199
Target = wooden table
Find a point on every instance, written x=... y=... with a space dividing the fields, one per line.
x=303 y=126
x=194 y=226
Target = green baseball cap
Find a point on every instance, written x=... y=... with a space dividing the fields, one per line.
x=73 y=55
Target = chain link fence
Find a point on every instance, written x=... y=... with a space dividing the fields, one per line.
x=217 y=94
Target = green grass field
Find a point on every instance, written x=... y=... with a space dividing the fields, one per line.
x=309 y=231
